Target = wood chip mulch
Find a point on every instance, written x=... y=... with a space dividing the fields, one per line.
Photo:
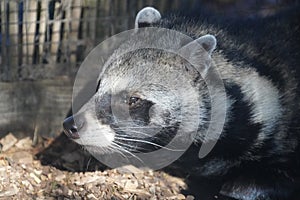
x=24 y=177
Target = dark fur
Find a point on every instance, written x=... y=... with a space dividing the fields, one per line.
x=249 y=171
x=271 y=46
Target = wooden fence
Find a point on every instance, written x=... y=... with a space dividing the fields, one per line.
x=50 y=32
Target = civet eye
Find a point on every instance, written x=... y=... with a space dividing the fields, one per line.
x=133 y=100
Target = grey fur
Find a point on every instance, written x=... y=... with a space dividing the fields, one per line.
x=147 y=15
x=134 y=70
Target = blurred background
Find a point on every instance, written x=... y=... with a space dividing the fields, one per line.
x=43 y=43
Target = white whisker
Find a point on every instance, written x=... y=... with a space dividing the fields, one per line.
x=147 y=142
x=121 y=149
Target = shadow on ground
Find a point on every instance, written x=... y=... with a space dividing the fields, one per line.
x=64 y=154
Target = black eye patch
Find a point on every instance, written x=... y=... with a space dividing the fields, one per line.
x=139 y=110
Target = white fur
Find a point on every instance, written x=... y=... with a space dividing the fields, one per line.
x=266 y=104
x=147 y=15
x=208 y=42
x=258 y=90
x=94 y=133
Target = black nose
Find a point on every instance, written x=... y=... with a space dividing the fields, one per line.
x=70 y=128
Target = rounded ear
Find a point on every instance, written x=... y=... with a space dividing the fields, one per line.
x=198 y=52
x=146 y=17
x=208 y=42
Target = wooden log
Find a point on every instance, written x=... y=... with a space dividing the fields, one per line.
x=106 y=26
x=55 y=42
x=75 y=10
x=20 y=35
x=65 y=38
x=43 y=31
x=29 y=29
x=13 y=39
x=4 y=58
x=29 y=104
x=88 y=24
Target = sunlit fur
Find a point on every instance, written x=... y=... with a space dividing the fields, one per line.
x=259 y=69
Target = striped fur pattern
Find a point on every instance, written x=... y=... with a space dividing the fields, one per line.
x=259 y=63
x=257 y=154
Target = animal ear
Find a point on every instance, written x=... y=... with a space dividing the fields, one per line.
x=198 y=52
x=208 y=42
x=146 y=17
